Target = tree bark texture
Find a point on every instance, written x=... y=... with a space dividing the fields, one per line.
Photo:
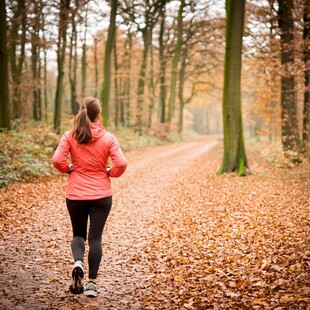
x=184 y=53
x=73 y=69
x=175 y=62
x=17 y=34
x=96 y=65
x=141 y=82
x=127 y=84
x=116 y=87
x=306 y=112
x=151 y=87
x=84 y=60
x=290 y=136
x=234 y=159
x=61 y=53
x=106 y=87
x=35 y=60
x=4 y=81
x=163 y=62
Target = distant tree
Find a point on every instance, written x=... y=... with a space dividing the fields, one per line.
x=17 y=42
x=35 y=59
x=64 y=11
x=45 y=78
x=234 y=159
x=306 y=113
x=290 y=135
x=128 y=16
x=175 y=62
x=106 y=87
x=84 y=56
x=116 y=86
x=4 y=81
x=163 y=63
x=96 y=65
x=152 y=11
x=73 y=64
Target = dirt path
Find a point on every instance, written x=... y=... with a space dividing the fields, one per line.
x=35 y=254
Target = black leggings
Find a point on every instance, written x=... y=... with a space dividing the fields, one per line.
x=98 y=212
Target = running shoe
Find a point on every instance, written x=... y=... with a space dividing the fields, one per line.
x=90 y=289
x=76 y=286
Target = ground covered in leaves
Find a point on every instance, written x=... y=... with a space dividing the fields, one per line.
x=179 y=237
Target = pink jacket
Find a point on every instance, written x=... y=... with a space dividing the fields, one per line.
x=89 y=179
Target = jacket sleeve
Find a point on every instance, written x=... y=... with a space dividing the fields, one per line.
x=119 y=161
x=59 y=158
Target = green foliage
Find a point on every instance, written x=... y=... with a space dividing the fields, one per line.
x=25 y=153
x=26 y=150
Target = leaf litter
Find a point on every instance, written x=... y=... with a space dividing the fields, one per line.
x=178 y=237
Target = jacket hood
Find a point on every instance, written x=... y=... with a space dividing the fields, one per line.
x=97 y=130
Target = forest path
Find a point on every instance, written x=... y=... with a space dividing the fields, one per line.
x=35 y=248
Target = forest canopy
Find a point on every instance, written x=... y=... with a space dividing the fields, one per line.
x=157 y=65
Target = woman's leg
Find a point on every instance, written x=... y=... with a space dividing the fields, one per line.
x=78 y=211
x=98 y=212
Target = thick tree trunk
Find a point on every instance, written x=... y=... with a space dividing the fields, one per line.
x=175 y=61
x=4 y=81
x=290 y=136
x=234 y=158
x=306 y=112
x=61 y=52
x=105 y=92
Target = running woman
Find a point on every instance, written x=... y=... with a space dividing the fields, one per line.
x=89 y=192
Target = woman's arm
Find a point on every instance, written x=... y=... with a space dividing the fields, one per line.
x=119 y=161
x=59 y=158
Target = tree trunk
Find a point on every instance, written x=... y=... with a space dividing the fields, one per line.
x=96 y=66
x=151 y=87
x=141 y=82
x=34 y=63
x=45 y=83
x=306 y=112
x=181 y=88
x=127 y=84
x=105 y=92
x=234 y=158
x=117 y=108
x=175 y=62
x=61 y=53
x=4 y=81
x=73 y=69
x=84 y=60
x=290 y=136
x=162 y=61
x=17 y=62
